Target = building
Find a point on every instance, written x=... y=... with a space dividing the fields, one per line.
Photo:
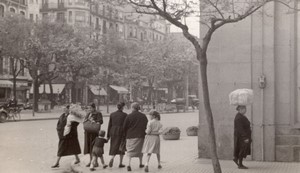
x=260 y=53
x=34 y=10
x=6 y=78
x=13 y=6
x=103 y=17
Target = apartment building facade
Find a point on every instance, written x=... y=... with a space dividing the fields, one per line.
x=6 y=64
x=104 y=18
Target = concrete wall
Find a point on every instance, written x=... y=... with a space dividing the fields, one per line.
x=238 y=55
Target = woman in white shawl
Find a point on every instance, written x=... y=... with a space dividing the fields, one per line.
x=67 y=133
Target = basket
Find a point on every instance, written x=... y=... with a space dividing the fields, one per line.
x=171 y=136
x=192 y=131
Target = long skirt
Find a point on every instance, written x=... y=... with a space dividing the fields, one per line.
x=115 y=143
x=68 y=146
x=134 y=147
x=241 y=149
x=151 y=144
x=88 y=142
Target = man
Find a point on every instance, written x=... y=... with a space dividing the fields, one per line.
x=134 y=127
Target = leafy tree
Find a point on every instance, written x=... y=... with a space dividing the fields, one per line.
x=41 y=52
x=78 y=56
x=14 y=31
x=214 y=15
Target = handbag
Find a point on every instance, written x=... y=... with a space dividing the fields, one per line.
x=91 y=127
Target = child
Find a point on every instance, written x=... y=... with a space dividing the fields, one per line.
x=98 y=151
x=152 y=140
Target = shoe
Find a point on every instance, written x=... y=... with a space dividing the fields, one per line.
x=55 y=166
x=236 y=161
x=146 y=169
x=111 y=162
x=88 y=165
x=141 y=165
x=105 y=166
x=92 y=169
x=121 y=166
x=128 y=168
x=159 y=167
x=242 y=167
x=76 y=162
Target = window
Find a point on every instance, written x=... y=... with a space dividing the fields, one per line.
x=70 y=2
x=104 y=27
x=2 y=93
x=1 y=11
x=70 y=16
x=12 y=66
x=97 y=23
x=31 y=17
x=22 y=13
x=45 y=15
x=61 y=17
x=12 y=10
x=1 y=65
x=80 y=16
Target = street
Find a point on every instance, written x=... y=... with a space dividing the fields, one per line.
x=31 y=146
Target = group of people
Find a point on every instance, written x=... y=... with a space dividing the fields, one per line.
x=131 y=133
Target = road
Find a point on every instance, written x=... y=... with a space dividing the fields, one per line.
x=31 y=146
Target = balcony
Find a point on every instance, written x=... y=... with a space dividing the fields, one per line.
x=52 y=7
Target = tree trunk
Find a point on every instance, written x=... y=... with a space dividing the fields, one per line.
x=209 y=116
x=170 y=91
x=36 y=94
x=73 y=92
x=52 y=97
x=15 y=89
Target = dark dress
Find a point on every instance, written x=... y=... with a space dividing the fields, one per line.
x=115 y=132
x=69 y=144
x=98 y=145
x=242 y=131
x=90 y=137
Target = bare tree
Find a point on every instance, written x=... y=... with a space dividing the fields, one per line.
x=214 y=15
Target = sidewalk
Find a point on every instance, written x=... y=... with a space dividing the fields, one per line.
x=27 y=115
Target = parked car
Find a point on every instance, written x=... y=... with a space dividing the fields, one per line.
x=181 y=103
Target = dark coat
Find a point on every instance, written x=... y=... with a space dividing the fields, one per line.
x=135 y=125
x=90 y=137
x=69 y=144
x=242 y=131
x=98 y=145
x=115 y=131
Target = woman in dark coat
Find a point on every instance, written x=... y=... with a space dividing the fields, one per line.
x=93 y=116
x=68 y=144
x=116 y=133
x=242 y=137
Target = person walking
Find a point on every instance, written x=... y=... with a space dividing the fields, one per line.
x=152 y=140
x=116 y=134
x=134 y=127
x=93 y=116
x=98 y=150
x=242 y=137
x=68 y=137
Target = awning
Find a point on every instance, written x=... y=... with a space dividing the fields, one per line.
x=6 y=84
x=57 y=88
x=119 y=89
x=95 y=90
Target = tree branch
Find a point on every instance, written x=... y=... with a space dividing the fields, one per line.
x=215 y=6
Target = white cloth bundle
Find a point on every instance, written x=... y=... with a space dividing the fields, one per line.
x=241 y=97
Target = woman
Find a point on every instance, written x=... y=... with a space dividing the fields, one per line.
x=152 y=140
x=242 y=137
x=115 y=132
x=93 y=116
x=134 y=127
x=68 y=137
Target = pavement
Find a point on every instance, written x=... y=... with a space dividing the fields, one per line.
x=30 y=147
